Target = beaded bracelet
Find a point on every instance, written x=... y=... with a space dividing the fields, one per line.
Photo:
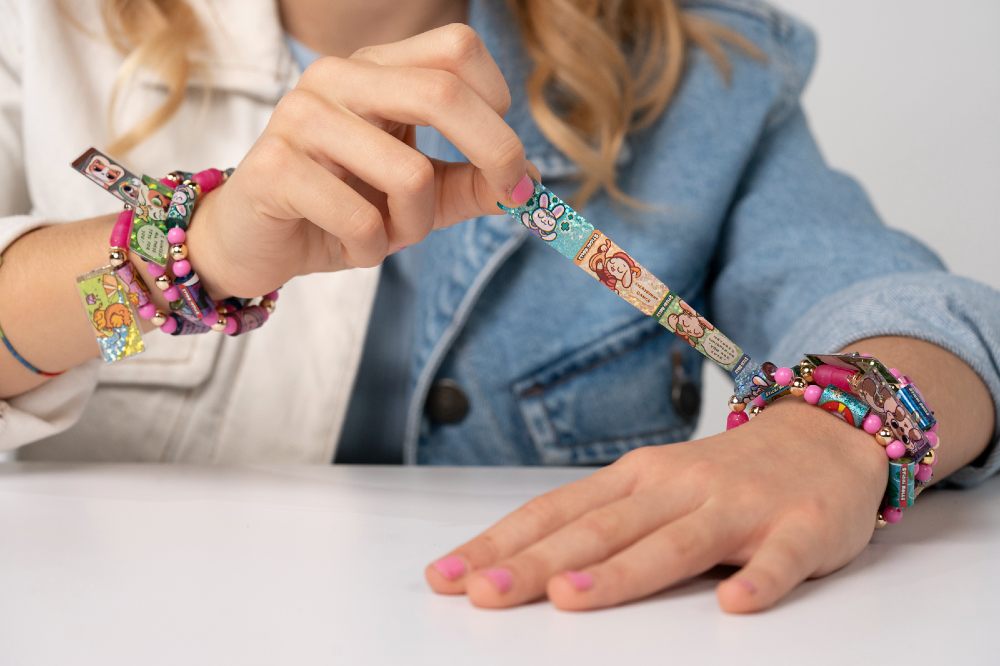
x=862 y=392
x=153 y=226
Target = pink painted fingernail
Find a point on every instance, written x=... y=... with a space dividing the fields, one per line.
x=451 y=567
x=501 y=579
x=522 y=191
x=581 y=580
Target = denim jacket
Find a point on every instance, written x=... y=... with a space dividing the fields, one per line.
x=747 y=222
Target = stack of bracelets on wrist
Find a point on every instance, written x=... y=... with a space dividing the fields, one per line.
x=153 y=226
x=862 y=392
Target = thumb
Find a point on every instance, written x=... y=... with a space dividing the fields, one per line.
x=463 y=192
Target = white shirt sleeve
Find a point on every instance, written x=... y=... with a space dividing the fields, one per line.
x=57 y=404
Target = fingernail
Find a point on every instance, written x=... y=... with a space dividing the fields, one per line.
x=451 y=567
x=522 y=191
x=581 y=580
x=501 y=579
x=747 y=585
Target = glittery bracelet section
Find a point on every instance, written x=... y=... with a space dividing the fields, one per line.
x=571 y=235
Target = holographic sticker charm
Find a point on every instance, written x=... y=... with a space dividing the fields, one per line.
x=111 y=312
x=110 y=175
x=568 y=233
x=149 y=228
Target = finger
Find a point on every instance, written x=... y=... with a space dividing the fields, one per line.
x=310 y=192
x=686 y=547
x=788 y=556
x=337 y=136
x=454 y=48
x=440 y=99
x=526 y=525
x=590 y=539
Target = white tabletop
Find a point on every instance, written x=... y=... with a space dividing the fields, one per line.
x=124 y=564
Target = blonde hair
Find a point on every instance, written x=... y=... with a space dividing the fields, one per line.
x=611 y=68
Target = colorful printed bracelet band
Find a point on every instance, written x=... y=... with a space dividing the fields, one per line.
x=153 y=226
x=571 y=235
x=863 y=392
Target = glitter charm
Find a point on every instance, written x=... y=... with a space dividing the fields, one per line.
x=110 y=307
x=571 y=235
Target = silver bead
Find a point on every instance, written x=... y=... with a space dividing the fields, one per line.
x=158 y=319
x=735 y=402
x=178 y=251
x=163 y=282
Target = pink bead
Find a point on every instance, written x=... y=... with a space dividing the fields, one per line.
x=182 y=267
x=934 y=427
x=171 y=294
x=736 y=419
x=231 y=325
x=210 y=317
x=208 y=180
x=273 y=296
x=872 y=424
x=155 y=269
x=896 y=449
x=147 y=311
x=825 y=375
x=120 y=232
x=924 y=473
x=892 y=514
x=894 y=372
x=758 y=402
x=932 y=438
x=169 y=326
x=812 y=394
x=784 y=376
x=176 y=236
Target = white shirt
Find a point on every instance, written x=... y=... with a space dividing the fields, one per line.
x=276 y=395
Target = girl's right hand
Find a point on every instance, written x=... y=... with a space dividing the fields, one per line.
x=335 y=180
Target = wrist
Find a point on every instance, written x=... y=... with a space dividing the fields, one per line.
x=204 y=249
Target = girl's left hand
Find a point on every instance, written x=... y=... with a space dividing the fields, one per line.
x=790 y=495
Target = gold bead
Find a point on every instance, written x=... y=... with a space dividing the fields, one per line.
x=880 y=522
x=163 y=282
x=884 y=436
x=798 y=386
x=158 y=319
x=735 y=403
x=806 y=370
x=754 y=410
x=220 y=323
x=929 y=458
x=268 y=305
x=918 y=490
x=178 y=251
x=117 y=257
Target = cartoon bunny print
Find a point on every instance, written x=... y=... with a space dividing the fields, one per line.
x=543 y=219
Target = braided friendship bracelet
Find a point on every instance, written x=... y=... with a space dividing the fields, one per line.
x=153 y=226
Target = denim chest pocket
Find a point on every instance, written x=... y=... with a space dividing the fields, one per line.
x=606 y=398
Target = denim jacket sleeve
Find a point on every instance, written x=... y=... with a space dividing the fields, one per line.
x=805 y=264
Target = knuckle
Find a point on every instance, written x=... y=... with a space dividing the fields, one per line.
x=461 y=42
x=372 y=54
x=509 y=151
x=364 y=225
x=418 y=176
x=542 y=511
x=322 y=71
x=296 y=107
x=602 y=527
x=274 y=152
x=443 y=89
